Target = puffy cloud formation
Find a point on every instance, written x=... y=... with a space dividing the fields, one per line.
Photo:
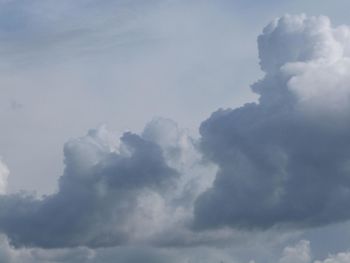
x=286 y=159
x=301 y=253
x=297 y=254
x=343 y=257
x=109 y=194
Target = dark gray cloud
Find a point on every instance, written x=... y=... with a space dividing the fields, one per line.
x=97 y=196
x=122 y=254
x=136 y=190
x=285 y=160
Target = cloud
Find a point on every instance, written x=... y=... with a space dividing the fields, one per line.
x=342 y=257
x=139 y=189
x=9 y=254
x=108 y=194
x=285 y=160
x=300 y=253
x=296 y=253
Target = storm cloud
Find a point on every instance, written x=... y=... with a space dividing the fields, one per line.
x=285 y=160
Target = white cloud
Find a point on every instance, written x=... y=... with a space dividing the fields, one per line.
x=300 y=253
x=343 y=257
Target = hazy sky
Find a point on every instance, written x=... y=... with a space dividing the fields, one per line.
x=113 y=148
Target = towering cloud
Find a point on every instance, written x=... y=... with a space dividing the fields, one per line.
x=286 y=159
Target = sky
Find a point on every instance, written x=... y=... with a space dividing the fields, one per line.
x=174 y=131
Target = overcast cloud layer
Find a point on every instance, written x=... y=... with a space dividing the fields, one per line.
x=296 y=253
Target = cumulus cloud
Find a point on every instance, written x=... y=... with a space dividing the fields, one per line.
x=110 y=193
x=285 y=160
x=342 y=257
x=299 y=253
